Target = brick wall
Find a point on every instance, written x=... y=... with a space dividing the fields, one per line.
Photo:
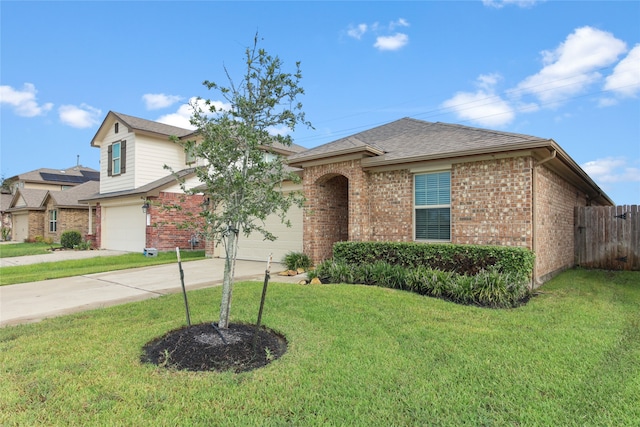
x=68 y=220
x=554 y=202
x=332 y=191
x=491 y=202
x=166 y=231
x=36 y=224
x=391 y=205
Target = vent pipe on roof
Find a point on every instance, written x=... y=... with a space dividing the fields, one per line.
x=77 y=161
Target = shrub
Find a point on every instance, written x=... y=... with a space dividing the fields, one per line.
x=296 y=260
x=488 y=288
x=70 y=239
x=462 y=259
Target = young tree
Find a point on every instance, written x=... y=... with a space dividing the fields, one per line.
x=243 y=175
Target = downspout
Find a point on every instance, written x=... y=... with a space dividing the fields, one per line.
x=534 y=207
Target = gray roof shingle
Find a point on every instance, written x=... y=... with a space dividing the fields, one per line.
x=408 y=139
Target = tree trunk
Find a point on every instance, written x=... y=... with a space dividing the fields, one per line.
x=227 y=283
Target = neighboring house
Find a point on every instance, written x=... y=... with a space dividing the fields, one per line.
x=5 y=216
x=47 y=214
x=42 y=179
x=412 y=180
x=133 y=155
x=52 y=179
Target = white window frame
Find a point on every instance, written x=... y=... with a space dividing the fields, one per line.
x=114 y=159
x=53 y=221
x=430 y=206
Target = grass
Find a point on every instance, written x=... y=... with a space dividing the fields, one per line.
x=357 y=356
x=22 y=249
x=54 y=270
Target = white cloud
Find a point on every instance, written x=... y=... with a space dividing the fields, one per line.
x=182 y=117
x=625 y=79
x=611 y=169
x=401 y=22
x=573 y=65
x=483 y=106
x=358 y=31
x=24 y=102
x=155 y=101
x=393 y=42
x=83 y=116
x=384 y=40
x=498 y=4
x=279 y=130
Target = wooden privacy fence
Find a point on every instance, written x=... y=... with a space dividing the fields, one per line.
x=607 y=237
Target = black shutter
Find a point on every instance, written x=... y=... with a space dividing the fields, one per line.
x=123 y=156
x=109 y=160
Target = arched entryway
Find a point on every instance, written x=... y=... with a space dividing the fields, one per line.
x=329 y=214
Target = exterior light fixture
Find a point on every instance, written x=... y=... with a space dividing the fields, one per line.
x=145 y=207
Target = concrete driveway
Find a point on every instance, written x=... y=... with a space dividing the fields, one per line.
x=32 y=302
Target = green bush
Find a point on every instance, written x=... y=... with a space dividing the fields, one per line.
x=70 y=239
x=296 y=260
x=462 y=259
x=488 y=288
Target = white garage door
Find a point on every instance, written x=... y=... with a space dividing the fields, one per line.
x=289 y=239
x=20 y=227
x=123 y=228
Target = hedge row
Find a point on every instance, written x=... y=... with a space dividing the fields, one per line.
x=461 y=259
x=487 y=288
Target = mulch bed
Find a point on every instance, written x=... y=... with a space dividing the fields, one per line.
x=202 y=348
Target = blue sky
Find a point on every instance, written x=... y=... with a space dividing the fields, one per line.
x=568 y=70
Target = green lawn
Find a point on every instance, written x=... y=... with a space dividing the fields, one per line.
x=9 y=250
x=357 y=356
x=55 y=270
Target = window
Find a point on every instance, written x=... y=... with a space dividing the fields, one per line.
x=117 y=156
x=432 y=202
x=53 y=221
x=190 y=155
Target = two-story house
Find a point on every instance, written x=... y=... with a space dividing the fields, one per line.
x=136 y=190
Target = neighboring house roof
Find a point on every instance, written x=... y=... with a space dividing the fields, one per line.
x=409 y=140
x=150 y=189
x=5 y=201
x=28 y=199
x=136 y=124
x=71 y=198
x=70 y=176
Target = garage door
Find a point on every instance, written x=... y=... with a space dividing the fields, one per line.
x=123 y=228
x=289 y=239
x=20 y=227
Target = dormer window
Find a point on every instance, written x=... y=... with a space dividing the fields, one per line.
x=116 y=128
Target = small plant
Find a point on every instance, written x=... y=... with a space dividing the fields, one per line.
x=70 y=239
x=268 y=354
x=6 y=234
x=84 y=246
x=296 y=260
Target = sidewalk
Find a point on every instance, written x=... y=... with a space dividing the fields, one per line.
x=32 y=302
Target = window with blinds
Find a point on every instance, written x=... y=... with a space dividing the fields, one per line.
x=432 y=202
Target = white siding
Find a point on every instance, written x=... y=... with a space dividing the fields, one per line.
x=125 y=181
x=151 y=156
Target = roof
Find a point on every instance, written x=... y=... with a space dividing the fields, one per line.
x=28 y=199
x=70 y=176
x=137 y=124
x=71 y=198
x=144 y=190
x=5 y=201
x=409 y=140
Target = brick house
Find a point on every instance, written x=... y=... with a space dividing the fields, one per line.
x=412 y=180
x=54 y=180
x=47 y=213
